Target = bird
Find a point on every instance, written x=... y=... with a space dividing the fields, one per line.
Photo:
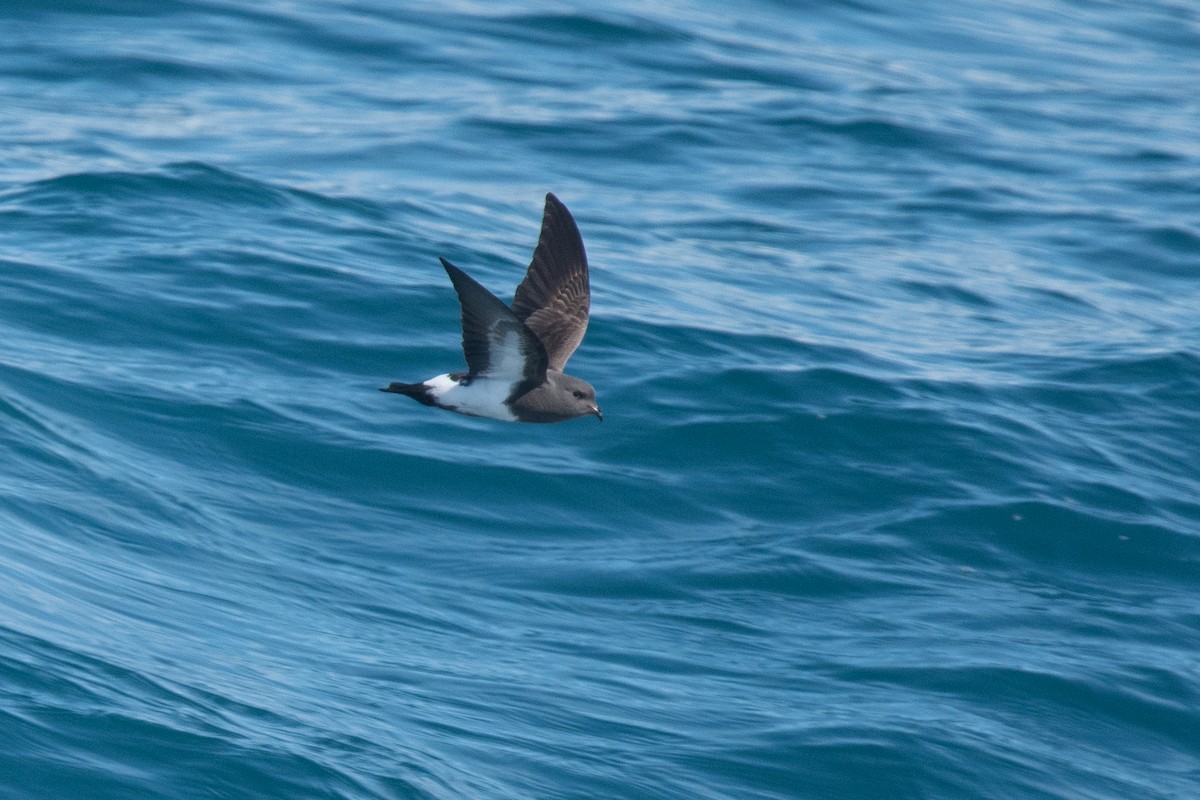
x=516 y=354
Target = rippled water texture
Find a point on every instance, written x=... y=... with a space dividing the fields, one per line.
x=895 y=326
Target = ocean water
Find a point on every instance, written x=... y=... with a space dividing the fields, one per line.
x=896 y=328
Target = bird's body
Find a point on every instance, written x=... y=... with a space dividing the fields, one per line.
x=481 y=397
x=515 y=356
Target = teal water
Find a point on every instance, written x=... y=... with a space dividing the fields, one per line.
x=895 y=327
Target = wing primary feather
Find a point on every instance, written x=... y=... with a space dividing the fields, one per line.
x=554 y=298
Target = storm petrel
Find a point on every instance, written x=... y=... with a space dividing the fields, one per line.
x=515 y=356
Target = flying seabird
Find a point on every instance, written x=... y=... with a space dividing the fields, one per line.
x=515 y=356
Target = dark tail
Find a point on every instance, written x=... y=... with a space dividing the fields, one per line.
x=417 y=391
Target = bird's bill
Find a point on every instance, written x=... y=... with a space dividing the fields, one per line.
x=596 y=411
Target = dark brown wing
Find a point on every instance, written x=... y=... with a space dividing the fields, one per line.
x=496 y=344
x=553 y=299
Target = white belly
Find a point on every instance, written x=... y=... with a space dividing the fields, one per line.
x=480 y=398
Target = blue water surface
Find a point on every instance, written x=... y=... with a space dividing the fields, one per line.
x=896 y=328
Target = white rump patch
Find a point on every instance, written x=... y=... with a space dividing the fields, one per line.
x=483 y=397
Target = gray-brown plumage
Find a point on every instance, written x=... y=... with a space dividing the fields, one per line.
x=554 y=298
x=515 y=356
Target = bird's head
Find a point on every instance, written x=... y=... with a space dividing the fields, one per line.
x=578 y=396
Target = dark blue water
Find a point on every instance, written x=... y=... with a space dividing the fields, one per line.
x=896 y=327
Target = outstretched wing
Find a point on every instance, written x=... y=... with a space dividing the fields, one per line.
x=553 y=299
x=495 y=342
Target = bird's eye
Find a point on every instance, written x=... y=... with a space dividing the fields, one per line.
x=578 y=394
